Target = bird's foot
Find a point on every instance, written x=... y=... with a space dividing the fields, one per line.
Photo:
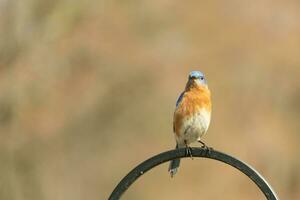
x=205 y=147
x=188 y=150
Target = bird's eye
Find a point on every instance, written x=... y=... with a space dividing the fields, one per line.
x=202 y=78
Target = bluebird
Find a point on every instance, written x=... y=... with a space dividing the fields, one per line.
x=192 y=115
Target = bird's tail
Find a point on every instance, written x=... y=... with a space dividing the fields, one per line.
x=174 y=164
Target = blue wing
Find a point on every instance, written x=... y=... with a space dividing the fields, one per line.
x=177 y=103
x=179 y=99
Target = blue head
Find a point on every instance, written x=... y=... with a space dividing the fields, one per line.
x=197 y=77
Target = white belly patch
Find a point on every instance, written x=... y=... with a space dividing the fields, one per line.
x=193 y=128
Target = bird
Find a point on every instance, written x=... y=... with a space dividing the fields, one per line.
x=191 y=116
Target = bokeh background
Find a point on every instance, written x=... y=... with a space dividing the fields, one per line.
x=88 y=89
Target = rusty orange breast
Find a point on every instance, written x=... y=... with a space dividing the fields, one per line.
x=194 y=100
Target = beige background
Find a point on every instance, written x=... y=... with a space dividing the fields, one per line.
x=88 y=89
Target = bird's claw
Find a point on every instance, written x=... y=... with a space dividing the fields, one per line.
x=205 y=147
x=189 y=152
x=208 y=149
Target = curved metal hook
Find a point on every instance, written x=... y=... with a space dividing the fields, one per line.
x=196 y=152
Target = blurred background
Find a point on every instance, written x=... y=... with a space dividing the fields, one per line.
x=88 y=90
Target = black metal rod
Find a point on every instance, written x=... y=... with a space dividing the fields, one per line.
x=147 y=165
